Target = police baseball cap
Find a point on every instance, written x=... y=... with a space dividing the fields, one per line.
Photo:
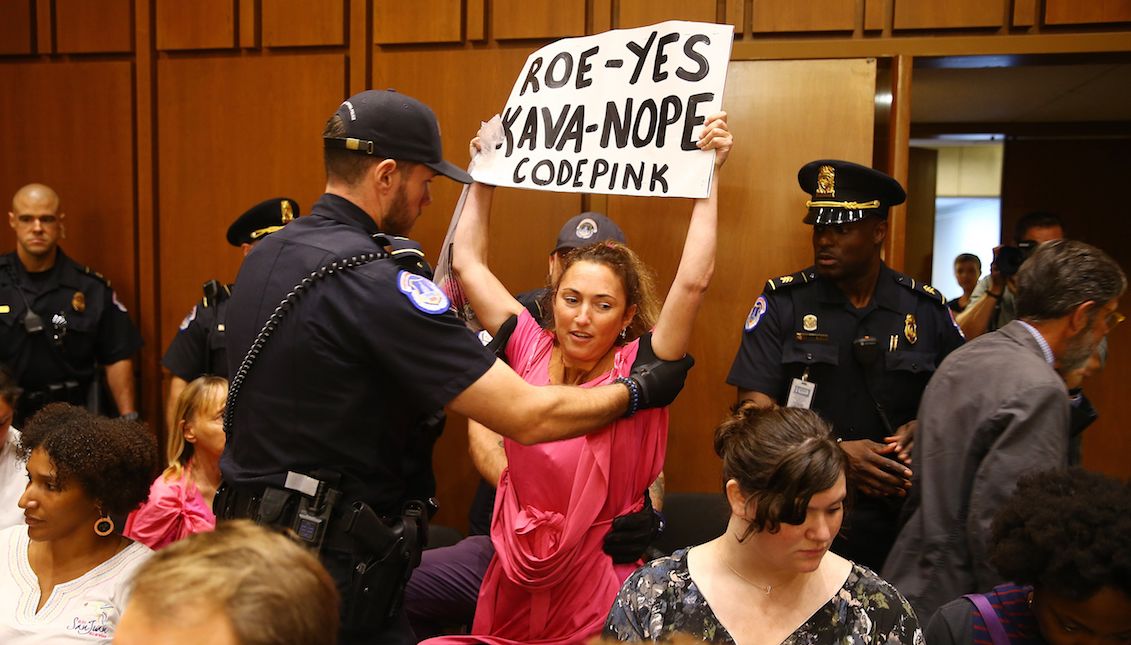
x=587 y=228
x=844 y=192
x=261 y=220
x=390 y=125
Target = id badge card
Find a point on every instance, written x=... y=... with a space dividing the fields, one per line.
x=801 y=394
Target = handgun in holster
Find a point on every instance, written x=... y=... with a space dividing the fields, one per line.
x=387 y=554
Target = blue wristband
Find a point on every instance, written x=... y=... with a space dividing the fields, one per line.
x=633 y=395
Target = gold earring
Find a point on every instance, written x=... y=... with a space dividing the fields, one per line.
x=103 y=526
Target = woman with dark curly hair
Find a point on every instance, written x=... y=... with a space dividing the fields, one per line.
x=770 y=578
x=1062 y=539
x=64 y=574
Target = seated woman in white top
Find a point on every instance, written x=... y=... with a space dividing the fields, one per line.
x=64 y=574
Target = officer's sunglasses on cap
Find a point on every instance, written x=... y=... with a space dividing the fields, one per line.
x=44 y=220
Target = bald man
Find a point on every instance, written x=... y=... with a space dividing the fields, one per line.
x=59 y=320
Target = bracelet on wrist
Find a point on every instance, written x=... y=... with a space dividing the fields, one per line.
x=995 y=296
x=633 y=395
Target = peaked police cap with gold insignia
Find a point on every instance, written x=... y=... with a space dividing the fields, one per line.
x=261 y=220
x=844 y=192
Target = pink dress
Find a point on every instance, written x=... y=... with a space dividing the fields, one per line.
x=175 y=509
x=550 y=582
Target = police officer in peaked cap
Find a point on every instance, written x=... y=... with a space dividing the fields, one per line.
x=344 y=298
x=199 y=347
x=853 y=340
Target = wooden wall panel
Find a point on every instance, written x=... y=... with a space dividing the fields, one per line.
x=71 y=124
x=45 y=35
x=303 y=22
x=463 y=88
x=921 y=181
x=788 y=15
x=420 y=21
x=638 y=13
x=15 y=27
x=1073 y=12
x=515 y=19
x=1024 y=13
x=476 y=20
x=200 y=24
x=1046 y=175
x=218 y=157
x=88 y=26
x=874 y=14
x=248 y=17
x=916 y=14
x=784 y=114
x=736 y=15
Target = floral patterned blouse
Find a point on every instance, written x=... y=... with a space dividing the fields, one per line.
x=660 y=599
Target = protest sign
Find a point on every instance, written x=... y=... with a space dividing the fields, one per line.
x=617 y=113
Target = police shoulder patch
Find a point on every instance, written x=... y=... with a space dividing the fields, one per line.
x=793 y=279
x=921 y=288
x=756 y=313
x=422 y=293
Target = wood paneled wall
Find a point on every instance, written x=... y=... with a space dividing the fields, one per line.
x=1074 y=178
x=159 y=121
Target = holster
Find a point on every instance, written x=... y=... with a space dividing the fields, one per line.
x=387 y=554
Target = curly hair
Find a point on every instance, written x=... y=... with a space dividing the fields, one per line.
x=113 y=460
x=780 y=458
x=638 y=280
x=1066 y=530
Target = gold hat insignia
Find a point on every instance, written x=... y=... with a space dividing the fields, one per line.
x=288 y=213
x=910 y=329
x=809 y=322
x=826 y=181
x=78 y=302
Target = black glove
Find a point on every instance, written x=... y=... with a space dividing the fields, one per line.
x=498 y=344
x=633 y=533
x=659 y=380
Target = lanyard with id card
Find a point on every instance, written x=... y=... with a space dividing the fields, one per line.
x=801 y=392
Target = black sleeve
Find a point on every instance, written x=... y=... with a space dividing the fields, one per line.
x=413 y=333
x=118 y=338
x=951 y=624
x=757 y=365
x=187 y=355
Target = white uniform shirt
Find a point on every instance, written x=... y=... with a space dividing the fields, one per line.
x=84 y=610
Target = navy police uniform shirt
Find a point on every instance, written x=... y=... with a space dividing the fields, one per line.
x=200 y=346
x=84 y=323
x=364 y=360
x=802 y=323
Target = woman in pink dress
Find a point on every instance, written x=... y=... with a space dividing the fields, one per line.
x=550 y=582
x=180 y=499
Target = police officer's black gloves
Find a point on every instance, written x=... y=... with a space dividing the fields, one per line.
x=632 y=534
x=658 y=381
x=498 y=344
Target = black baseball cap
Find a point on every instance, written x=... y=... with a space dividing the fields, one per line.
x=587 y=228
x=845 y=192
x=391 y=125
x=261 y=220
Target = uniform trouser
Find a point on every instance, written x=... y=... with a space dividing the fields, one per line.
x=443 y=590
x=869 y=530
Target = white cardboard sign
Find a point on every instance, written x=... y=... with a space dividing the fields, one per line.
x=616 y=113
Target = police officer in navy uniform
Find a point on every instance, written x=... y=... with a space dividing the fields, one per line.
x=59 y=320
x=200 y=347
x=341 y=349
x=853 y=340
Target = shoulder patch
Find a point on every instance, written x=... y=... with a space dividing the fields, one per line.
x=793 y=279
x=422 y=293
x=921 y=288
x=94 y=274
x=188 y=319
x=756 y=313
